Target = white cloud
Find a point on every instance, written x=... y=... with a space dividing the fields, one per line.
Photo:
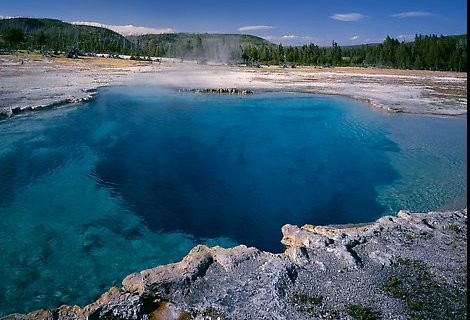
x=406 y=37
x=372 y=40
x=289 y=37
x=309 y=38
x=126 y=30
x=411 y=14
x=354 y=38
x=347 y=16
x=251 y=28
x=8 y=17
x=292 y=38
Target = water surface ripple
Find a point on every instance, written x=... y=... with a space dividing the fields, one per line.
x=139 y=176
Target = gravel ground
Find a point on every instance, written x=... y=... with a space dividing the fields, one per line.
x=31 y=81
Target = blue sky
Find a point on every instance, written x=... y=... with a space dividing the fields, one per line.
x=289 y=22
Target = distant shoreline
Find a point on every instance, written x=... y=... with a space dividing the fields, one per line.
x=33 y=82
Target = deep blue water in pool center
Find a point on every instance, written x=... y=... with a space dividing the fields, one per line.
x=137 y=177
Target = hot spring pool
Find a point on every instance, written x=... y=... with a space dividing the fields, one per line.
x=137 y=177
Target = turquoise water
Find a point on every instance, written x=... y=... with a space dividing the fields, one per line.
x=136 y=178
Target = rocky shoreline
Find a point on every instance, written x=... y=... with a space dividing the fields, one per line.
x=13 y=111
x=409 y=266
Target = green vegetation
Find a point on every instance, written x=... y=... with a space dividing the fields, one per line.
x=55 y=35
x=139 y=58
x=454 y=228
x=425 y=52
x=13 y=37
x=300 y=298
x=201 y=47
x=422 y=295
x=307 y=303
x=214 y=313
x=50 y=34
x=361 y=313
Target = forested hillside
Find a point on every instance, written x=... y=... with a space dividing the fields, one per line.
x=204 y=46
x=430 y=52
x=51 y=34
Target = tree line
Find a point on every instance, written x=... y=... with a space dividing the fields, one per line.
x=50 y=34
x=201 y=47
x=428 y=52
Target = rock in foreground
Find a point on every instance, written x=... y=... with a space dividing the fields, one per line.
x=408 y=266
